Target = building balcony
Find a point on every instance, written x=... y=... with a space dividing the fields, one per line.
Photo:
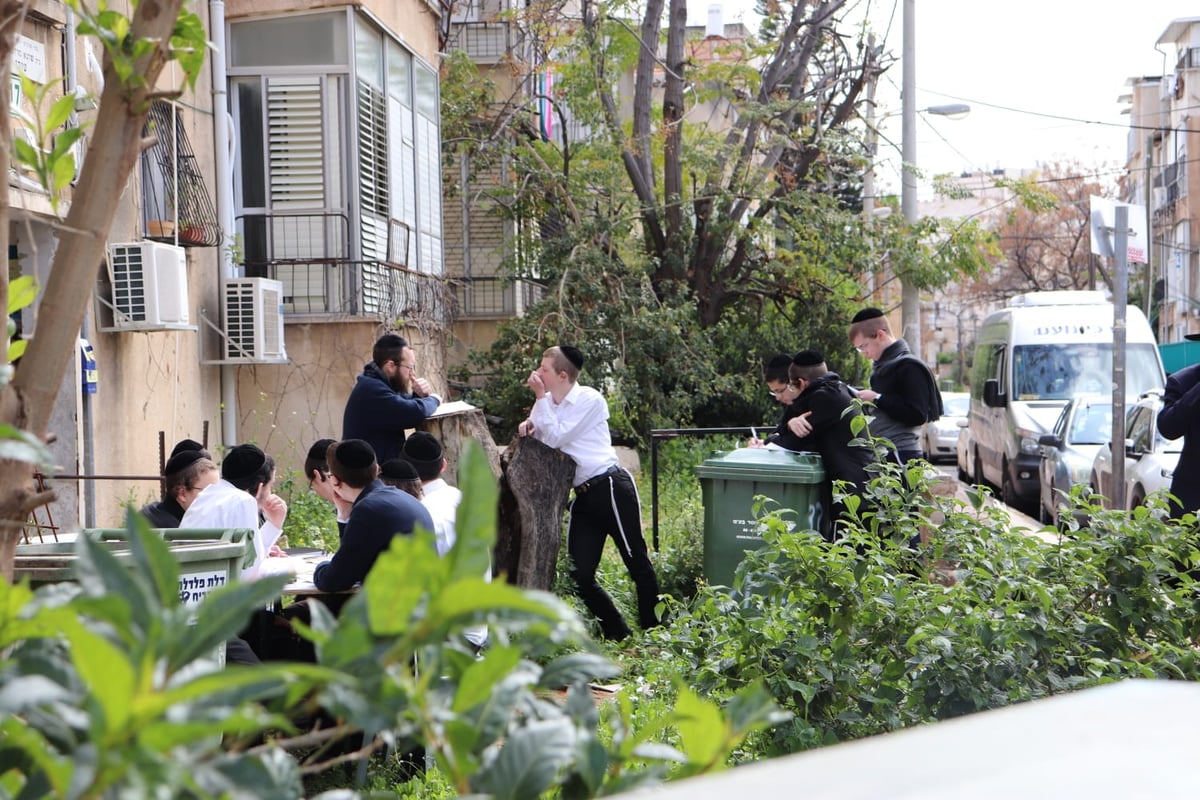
x=493 y=297
x=484 y=42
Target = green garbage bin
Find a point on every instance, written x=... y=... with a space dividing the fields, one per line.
x=730 y=481
x=208 y=559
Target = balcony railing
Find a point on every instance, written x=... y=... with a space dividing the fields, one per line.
x=484 y=42
x=494 y=297
x=310 y=255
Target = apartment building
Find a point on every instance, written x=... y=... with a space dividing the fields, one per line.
x=1159 y=171
x=285 y=212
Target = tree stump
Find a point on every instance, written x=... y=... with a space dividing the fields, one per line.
x=534 y=485
x=454 y=429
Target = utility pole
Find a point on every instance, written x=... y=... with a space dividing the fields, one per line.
x=910 y=294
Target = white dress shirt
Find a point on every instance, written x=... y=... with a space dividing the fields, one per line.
x=441 y=501
x=578 y=426
x=223 y=505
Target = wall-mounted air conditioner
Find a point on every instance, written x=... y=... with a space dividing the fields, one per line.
x=252 y=320
x=149 y=285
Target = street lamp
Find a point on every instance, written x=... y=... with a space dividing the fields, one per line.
x=910 y=296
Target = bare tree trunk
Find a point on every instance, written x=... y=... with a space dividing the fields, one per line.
x=533 y=493
x=113 y=152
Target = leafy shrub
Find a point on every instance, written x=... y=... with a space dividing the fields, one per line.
x=311 y=521
x=869 y=635
x=109 y=691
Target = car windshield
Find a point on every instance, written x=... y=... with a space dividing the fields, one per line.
x=955 y=406
x=1063 y=371
x=1092 y=424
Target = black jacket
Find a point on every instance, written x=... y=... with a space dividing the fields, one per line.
x=828 y=399
x=164 y=513
x=378 y=414
x=1180 y=416
x=910 y=394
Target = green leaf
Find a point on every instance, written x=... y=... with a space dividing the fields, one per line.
x=22 y=291
x=19 y=445
x=702 y=730
x=478 y=681
x=107 y=673
x=60 y=112
x=221 y=615
x=529 y=761
x=23 y=747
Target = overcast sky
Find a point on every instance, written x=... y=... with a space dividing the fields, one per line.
x=1043 y=77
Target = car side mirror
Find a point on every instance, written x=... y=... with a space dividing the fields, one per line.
x=963 y=422
x=1131 y=450
x=1050 y=440
x=991 y=394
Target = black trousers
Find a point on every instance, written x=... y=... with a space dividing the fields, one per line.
x=610 y=507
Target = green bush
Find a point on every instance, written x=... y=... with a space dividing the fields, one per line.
x=111 y=690
x=869 y=635
x=311 y=521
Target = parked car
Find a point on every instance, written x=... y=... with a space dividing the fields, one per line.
x=1069 y=450
x=939 y=439
x=1149 y=458
x=966 y=469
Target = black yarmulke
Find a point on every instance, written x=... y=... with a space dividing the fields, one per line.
x=242 y=461
x=808 y=358
x=183 y=446
x=866 y=314
x=182 y=460
x=422 y=447
x=319 y=449
x=354 y=454
x=573 y=354
x=398 y=469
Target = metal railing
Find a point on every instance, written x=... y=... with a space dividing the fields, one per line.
x=484 y=42
x=495 y=297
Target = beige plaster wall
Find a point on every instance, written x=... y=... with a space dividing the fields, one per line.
x=285 y=408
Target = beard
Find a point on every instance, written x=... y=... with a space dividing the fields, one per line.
x=400 y=383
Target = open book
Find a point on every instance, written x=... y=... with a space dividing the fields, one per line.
x=452 y=408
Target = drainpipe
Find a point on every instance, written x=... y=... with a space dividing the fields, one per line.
x=223 y=163
x=87 y=464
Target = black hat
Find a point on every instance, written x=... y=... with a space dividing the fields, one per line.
x=1192 y=337
x=866 y=314
x=242 y=461
x=808 y=358
x=352 y=454
x=398 y=469
x=183 y=446
x=422 y=447
x=182 y=460
x=573 y=354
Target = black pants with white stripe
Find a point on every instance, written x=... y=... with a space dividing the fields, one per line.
x=610 y=507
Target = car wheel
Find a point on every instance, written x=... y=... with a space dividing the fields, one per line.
x=1008 y=492
x=1138 y=498
x=979 y=479
x=1044 y=515
x=962 y=474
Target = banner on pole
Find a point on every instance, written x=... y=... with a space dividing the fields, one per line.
x=1103 y=213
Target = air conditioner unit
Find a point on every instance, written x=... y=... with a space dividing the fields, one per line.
x=252 y=317
x=149 y=285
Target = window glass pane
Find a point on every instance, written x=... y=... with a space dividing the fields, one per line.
x=289 y=41
x=427 y=92
x=368 y=55
x=248 y=96
x=399 y=66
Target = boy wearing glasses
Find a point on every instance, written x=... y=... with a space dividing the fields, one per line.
x=775 y=376
x=902 y=390
x=388 y=399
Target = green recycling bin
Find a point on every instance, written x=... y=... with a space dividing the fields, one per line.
x=208 y=559
x=730 y=481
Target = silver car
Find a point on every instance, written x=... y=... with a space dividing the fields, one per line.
x=1150 y=459
x=939 y=439
x=1068 y=451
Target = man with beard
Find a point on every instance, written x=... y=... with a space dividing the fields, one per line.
x=388 y=399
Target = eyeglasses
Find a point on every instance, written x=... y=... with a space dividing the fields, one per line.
x=777 y=393
x=862 y=348
x=409 y=367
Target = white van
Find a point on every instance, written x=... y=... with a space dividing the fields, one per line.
x=1030 y=359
